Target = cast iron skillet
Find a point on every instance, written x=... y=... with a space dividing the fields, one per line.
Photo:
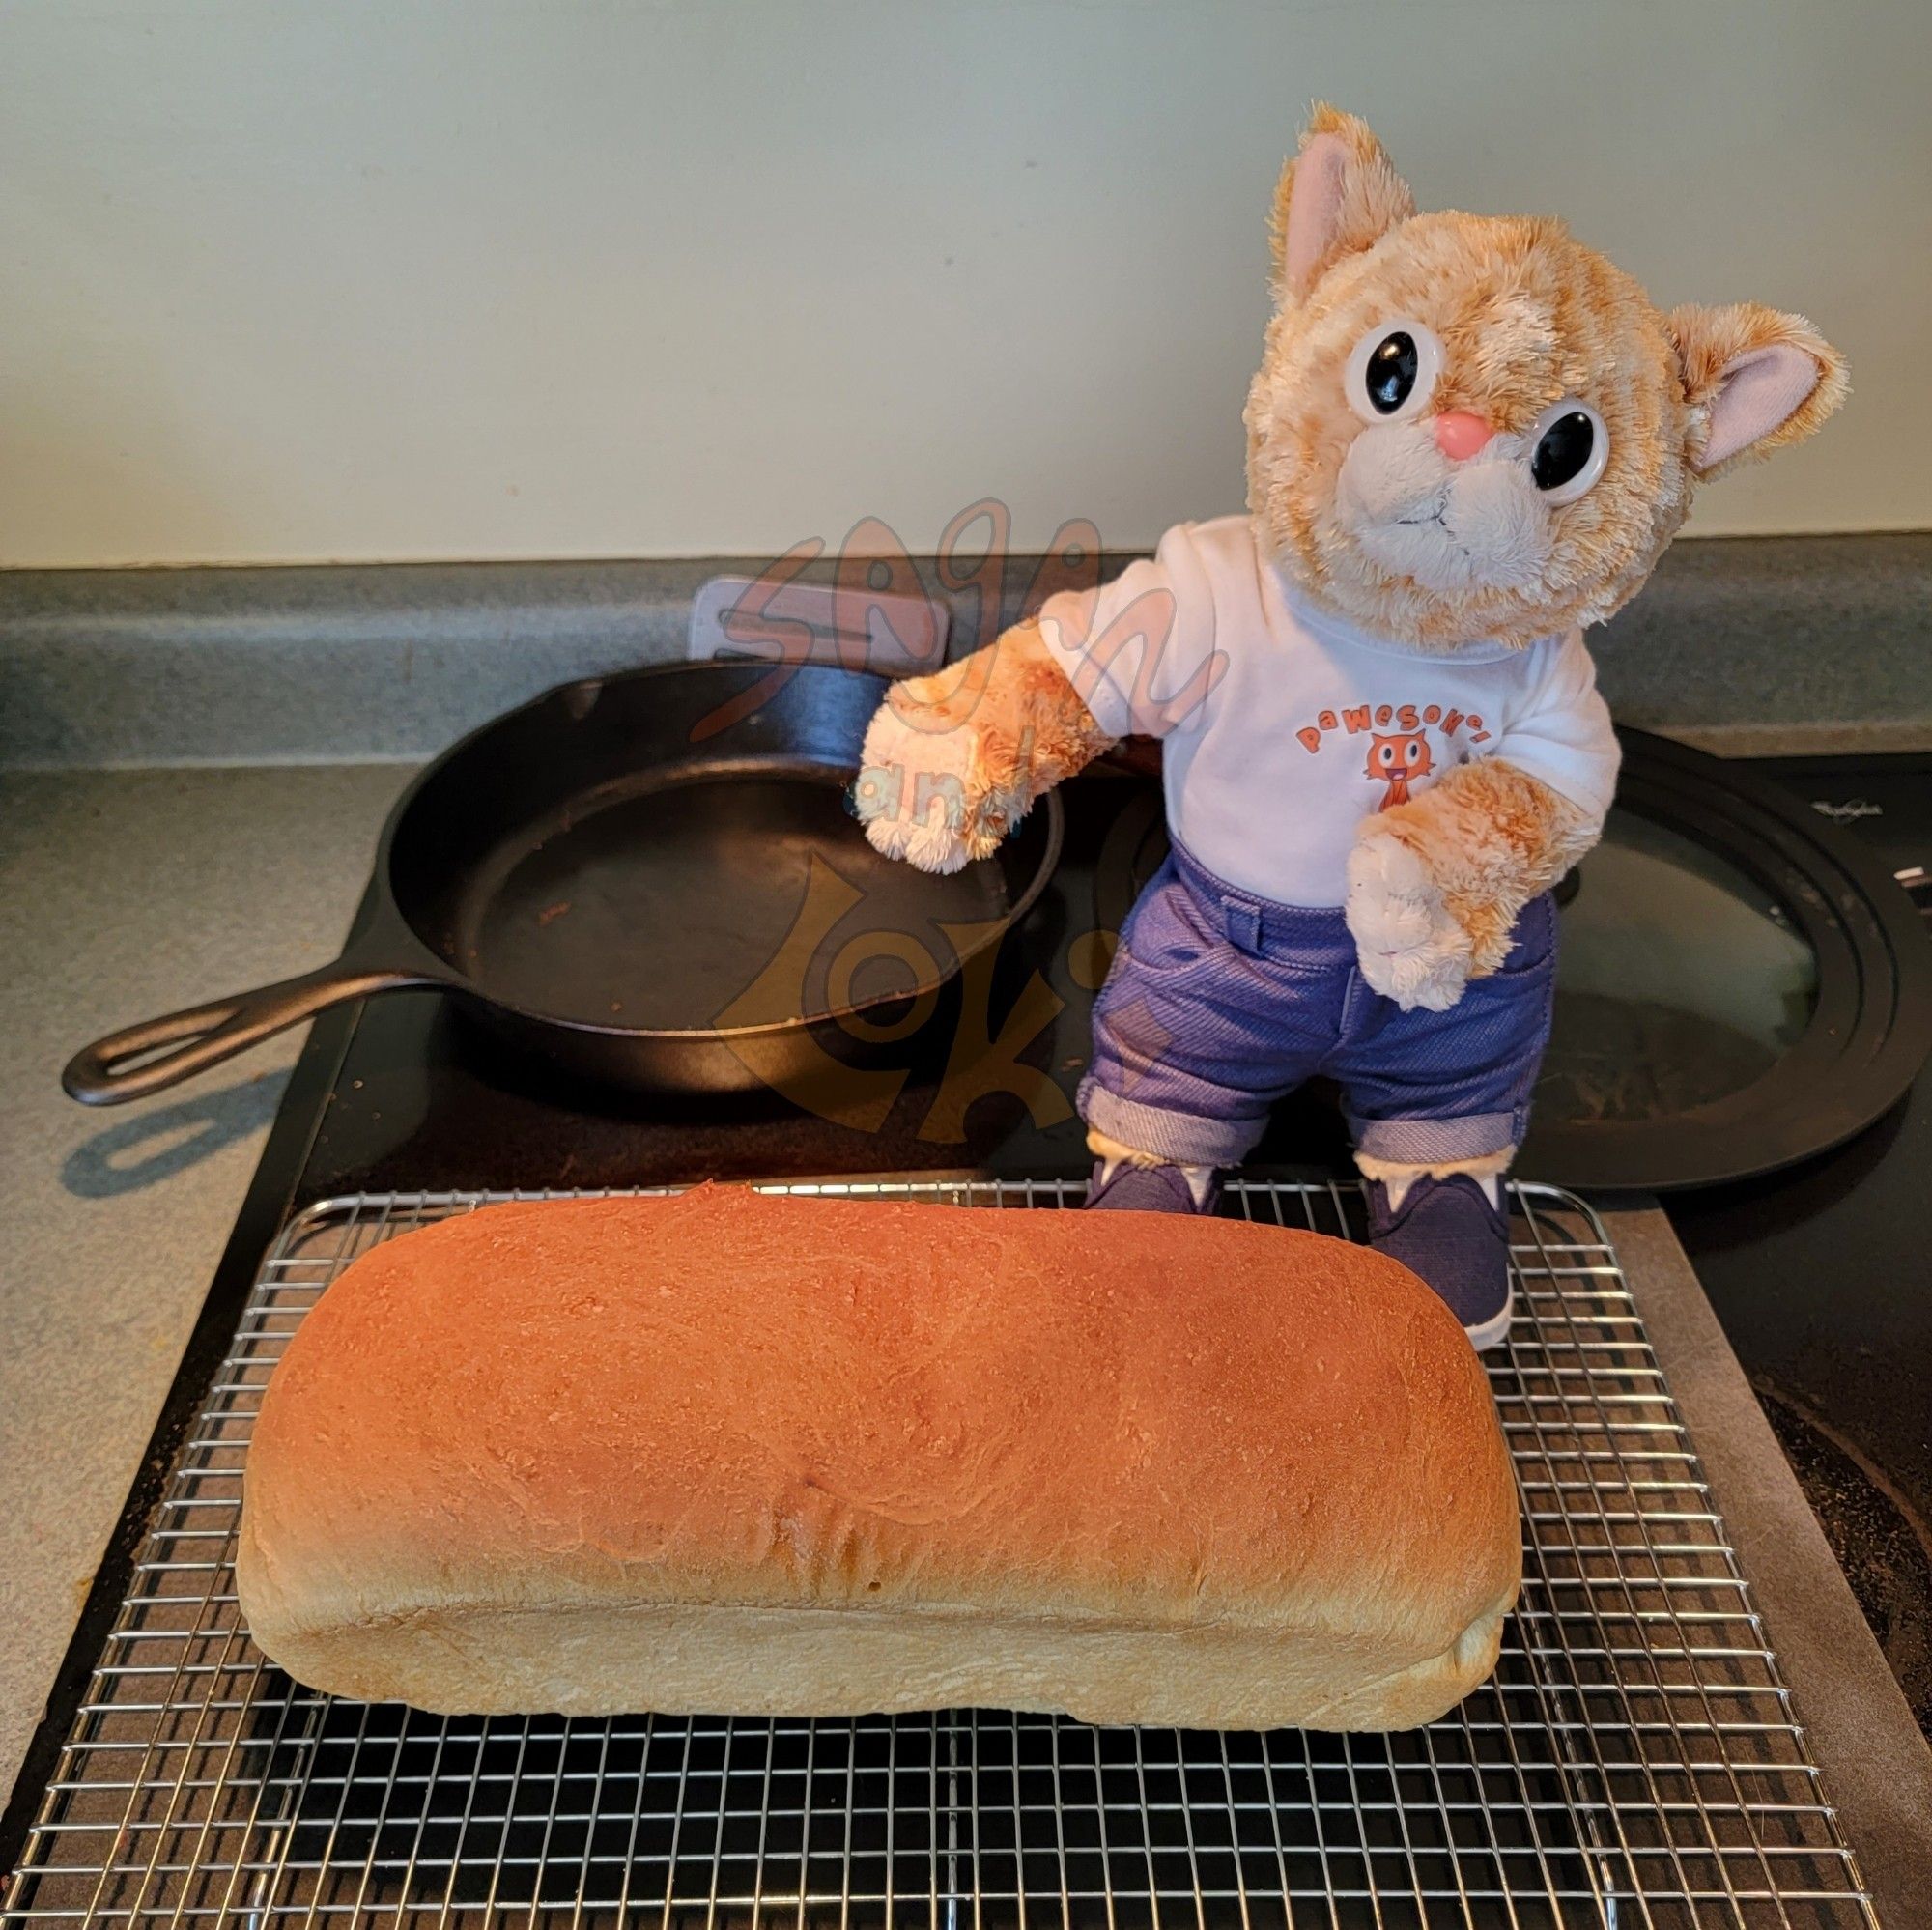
x=648 y=879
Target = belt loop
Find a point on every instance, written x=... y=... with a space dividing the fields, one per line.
x=1245 y=925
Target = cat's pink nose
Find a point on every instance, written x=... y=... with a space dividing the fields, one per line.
x=1459 y=435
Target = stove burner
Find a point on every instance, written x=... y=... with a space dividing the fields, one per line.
x=1884 y=1550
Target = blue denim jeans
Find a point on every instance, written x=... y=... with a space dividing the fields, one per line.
x=1220 y=1003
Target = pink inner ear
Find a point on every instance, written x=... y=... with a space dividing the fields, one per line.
x=1314 y=208
x=1756 y=394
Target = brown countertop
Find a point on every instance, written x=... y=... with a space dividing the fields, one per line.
x=1876 y=1767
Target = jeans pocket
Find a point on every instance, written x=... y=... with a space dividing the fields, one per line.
x=1164 y=938
x=1533 y=943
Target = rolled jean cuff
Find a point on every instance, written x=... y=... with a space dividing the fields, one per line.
x=1436 y=1142
x=1182 y=1139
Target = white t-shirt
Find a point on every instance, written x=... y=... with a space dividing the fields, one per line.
x=1285 y=726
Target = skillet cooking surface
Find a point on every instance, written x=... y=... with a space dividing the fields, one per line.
x=670 y=904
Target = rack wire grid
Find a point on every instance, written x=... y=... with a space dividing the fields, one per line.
x=1634 y=1761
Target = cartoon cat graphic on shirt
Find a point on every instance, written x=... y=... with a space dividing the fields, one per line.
x=1469 y=439
x=1396 y=760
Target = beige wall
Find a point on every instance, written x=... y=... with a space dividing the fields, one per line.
x=310 y=280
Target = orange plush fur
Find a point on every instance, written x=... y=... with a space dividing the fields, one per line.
x=1491 y=838
x=1010 y=709
x=1527 y=317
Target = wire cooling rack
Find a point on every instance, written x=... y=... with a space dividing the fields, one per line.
x=1634 y=1761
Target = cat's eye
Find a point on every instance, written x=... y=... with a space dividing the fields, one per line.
x=1392 y=370
x=1567 y=449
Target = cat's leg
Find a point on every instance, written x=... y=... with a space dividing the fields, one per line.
x=1125 y=1175
x=1447 y=1221
x=1438 y=1103
x=1205 y=1021
x=1398 y=1176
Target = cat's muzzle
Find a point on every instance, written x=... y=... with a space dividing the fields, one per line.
x=1447 y=526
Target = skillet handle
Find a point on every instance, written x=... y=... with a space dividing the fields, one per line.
x=129 y=1063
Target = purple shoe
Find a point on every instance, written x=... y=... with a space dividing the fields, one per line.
x=1446 y=1233
x=1147 y=1189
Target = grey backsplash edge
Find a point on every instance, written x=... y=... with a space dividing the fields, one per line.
x=1746 y=644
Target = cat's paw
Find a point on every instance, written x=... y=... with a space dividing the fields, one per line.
x=1408 y=943
x=921 y=794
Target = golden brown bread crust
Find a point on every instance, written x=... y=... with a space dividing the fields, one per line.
x=759 y=1454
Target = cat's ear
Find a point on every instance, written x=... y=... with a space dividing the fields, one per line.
x=1339 y=195
x=1754 y=379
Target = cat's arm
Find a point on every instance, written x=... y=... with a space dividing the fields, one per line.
x=953 y=761
x=1435 y=885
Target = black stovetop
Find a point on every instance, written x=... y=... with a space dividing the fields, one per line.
x=1822 y=1279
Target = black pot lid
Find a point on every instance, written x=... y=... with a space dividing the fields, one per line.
x=1740 y=985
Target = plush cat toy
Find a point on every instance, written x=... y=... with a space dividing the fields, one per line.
x=1470 y=437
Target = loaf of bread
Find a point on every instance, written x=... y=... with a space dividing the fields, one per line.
x=742 y=1453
